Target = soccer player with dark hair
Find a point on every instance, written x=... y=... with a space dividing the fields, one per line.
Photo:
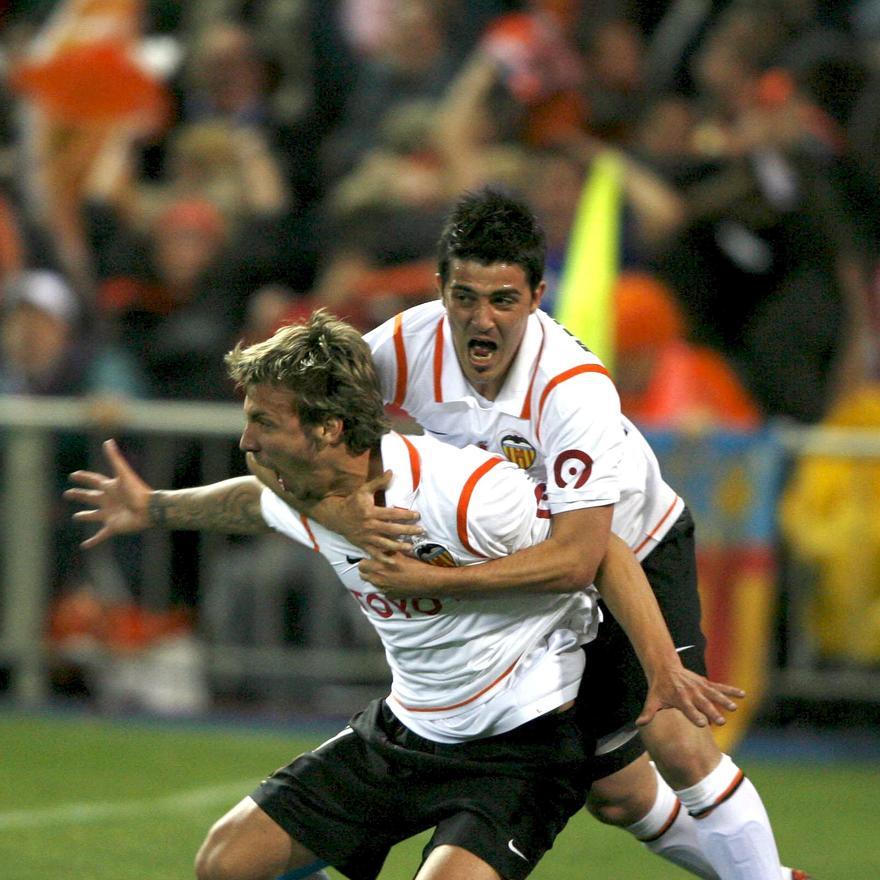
x=484 y=365
x=478 y=738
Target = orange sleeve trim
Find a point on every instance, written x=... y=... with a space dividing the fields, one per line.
x=400 y=353
x=438 y=363
x=415 y=462
x=461 y=517
x=727 y=793
x=657 y=527
x=305 y=521
x=564 y=377
x=476 y=696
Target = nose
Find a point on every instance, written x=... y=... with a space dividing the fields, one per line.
x=246 y=442
x=483 y=316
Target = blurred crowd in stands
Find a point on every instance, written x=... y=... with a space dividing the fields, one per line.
x=178 y=175
x=175 y=176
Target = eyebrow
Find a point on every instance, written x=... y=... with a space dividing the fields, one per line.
x=505 y=290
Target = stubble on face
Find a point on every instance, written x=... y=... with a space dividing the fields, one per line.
x=274 y=434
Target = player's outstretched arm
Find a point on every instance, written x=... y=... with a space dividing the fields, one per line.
x=123 y=503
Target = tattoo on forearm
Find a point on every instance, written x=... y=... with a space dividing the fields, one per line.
x=231 y=508
x=157 y=510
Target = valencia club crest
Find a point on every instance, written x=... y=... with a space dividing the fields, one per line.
x=434 y=554
x=518 y=450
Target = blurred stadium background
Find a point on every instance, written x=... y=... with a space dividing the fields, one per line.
x=177 y=176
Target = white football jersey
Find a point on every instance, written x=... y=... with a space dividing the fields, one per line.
x=462 y=667
x=557 y=416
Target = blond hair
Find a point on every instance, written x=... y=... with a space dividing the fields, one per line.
x=329 y=369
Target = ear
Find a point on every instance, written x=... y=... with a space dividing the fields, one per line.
x=438 y=286
x=537 y=296
x=330 y=432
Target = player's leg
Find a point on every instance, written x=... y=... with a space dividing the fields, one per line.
x=659 y=821
x=731 y=824
x=454 y=863
x=626 y=791
x=246 y=844
x=688 y=755
x=729 y=819
x=328 y=806
x=500 y=802
x=625 y=796
x=638 y=800
x=696 y=754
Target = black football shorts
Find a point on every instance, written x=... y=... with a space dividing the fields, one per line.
x=614 y=688
x=503 y=798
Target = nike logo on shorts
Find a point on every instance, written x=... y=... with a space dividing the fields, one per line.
x=684 y=648
x=354 y=560
x=512 y=847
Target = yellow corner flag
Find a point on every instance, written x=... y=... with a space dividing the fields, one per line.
x=585 y=304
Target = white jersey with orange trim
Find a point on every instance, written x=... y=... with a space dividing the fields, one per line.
x=557 y=416
x=462 y=667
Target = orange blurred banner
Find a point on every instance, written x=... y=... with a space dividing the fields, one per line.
x=83 y=67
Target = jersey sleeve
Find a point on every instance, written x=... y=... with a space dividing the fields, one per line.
x=582 y=434
x=283 y=518
x=502 y=514
x=382 y=344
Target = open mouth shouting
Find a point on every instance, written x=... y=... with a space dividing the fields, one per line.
x=271 y=470
x=481 y=352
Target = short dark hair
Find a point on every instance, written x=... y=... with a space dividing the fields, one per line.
x=328 y=367
x=492 y=226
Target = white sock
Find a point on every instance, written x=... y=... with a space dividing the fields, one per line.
x=669 y=832
x=731 y=824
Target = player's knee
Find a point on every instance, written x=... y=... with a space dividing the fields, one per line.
x=216 y=861
x=624 y=796
x=205 y=859
x=244 y=844
x=684 y=754
x=686 y=768
x=619 y=808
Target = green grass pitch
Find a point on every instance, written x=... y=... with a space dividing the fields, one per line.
x=99 y=800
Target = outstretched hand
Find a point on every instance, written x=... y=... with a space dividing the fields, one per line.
x=120 y=504
x=702 y=701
